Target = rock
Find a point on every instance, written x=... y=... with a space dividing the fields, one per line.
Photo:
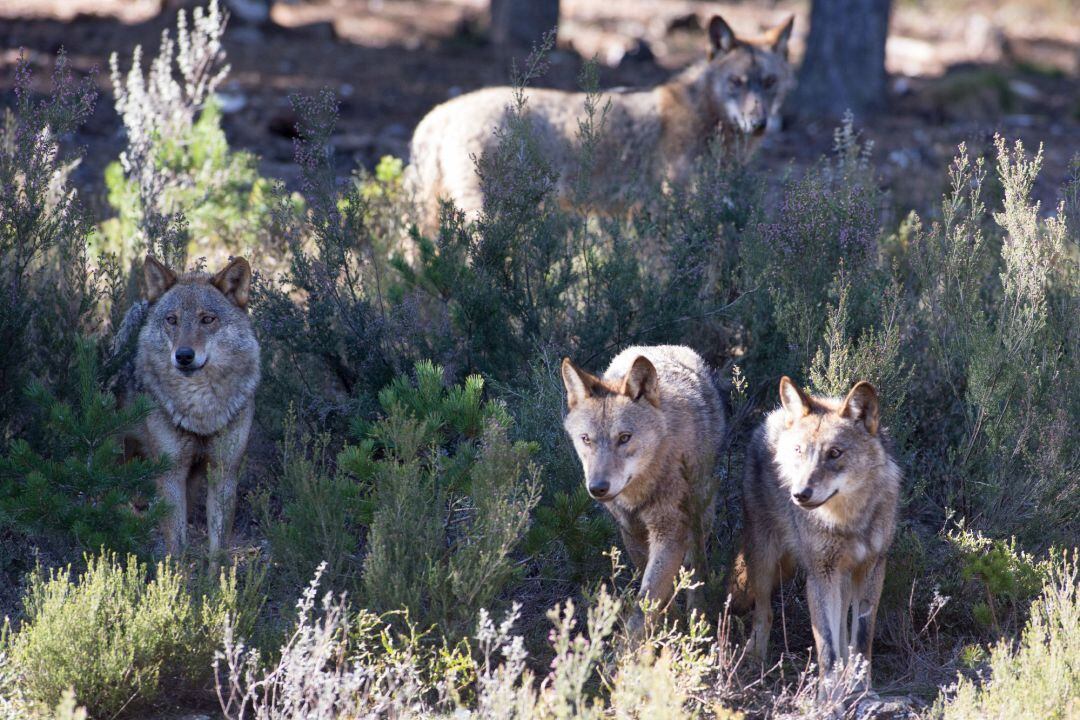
x=895 y=707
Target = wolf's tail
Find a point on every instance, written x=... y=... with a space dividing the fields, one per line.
x=121 y=363
x=742 y=595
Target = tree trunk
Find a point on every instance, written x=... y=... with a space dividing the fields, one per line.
x=844 y=65
x=522 y=23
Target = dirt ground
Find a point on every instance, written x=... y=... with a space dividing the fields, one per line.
x=961 y=71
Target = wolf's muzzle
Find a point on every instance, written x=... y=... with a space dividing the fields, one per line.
x=185 y=356
x=599 y=489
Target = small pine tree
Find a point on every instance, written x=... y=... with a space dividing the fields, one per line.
x=71 y=483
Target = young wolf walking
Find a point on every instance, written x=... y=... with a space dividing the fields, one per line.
x=649 y=135
x=198 y=359
x=820 y=492
x=647 y=434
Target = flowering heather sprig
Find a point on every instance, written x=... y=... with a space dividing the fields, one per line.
x=159 y=106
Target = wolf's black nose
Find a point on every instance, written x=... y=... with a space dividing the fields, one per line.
x=599 y=488
x=803 y=495
x=185 y=356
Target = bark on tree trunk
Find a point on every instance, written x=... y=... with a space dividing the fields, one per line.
x=522 y=22
x=844 y=65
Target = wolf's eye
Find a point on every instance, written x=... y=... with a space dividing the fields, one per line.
x=586 y=439
x=624 y=438
x=798 y=449
x=769 y=81
x=736 y=82
x=207 y=319
x=171 y=319
x=835 y=453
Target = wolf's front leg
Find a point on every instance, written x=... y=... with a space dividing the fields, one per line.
x=864 y=612
x=658 y=581
x=824 y=593
x=172 y=487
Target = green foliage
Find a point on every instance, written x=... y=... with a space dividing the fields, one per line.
x=122 y=637
x=72 y=483
x=828 y=218
x=1038 y=677
x=1010 y=577
x=225 y=202
x=450 y=506
x=316 y=513
x=49 y=292
x=999 y=381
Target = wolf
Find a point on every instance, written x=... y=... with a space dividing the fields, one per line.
x=647 y=433
x=819 y=494
x=197 y=358
x=649 y=136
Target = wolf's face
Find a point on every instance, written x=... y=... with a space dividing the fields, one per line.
x=616 y=425
x=827 y=449
x=194 y=322
x=747 y=79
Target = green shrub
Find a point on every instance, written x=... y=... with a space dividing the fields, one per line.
x=178 y=190
x=331 y=353
x=829 y=218
x=452 y=497
x=121 y=637
x=218 y=191
x=315 y=514
x=70 y=482
x=49 y=295
x=1039 y=677
x=1010 y=578
x=999 y=379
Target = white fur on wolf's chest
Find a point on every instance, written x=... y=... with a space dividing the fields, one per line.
x=200 y=405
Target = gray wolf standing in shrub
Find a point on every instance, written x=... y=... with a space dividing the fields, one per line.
x=647 y=434
x=820 y=493
x=198 y=359
x=649 y=135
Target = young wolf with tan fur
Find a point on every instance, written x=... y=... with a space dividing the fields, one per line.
x=820 y=492
x=649 y=135
x=647 y=434
x=198 y=359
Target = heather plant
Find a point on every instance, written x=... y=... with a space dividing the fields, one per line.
x=178 y=190
x=998 y=367
x=334 y=351
x=47 y=290
x=123 y=637
x=69 y=484
x=829 y=217
x=1038 y=676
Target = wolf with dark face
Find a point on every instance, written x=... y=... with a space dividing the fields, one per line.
x=198 y=359
x=647 y=434
x=649 y=136
x=820 y=494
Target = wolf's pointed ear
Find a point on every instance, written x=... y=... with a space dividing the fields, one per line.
x=862 y=404
x=234 y=282
x=721 y=37
x=794 y=399
x=157 y=279
x=777 y=37
x=579 y=384
x=641 y=382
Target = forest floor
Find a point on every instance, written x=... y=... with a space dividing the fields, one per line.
x=961 y=70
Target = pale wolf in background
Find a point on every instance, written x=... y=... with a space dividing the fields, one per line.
x=198 y=360
x=647 y=434
x=820 y=492
x=649 y=135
